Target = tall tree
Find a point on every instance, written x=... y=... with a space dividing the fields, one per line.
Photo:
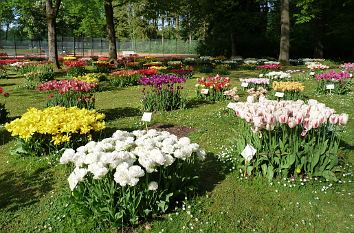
x=52 y=8
x=111 y=34
x=284 y=32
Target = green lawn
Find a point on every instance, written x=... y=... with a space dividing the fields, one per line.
x=34 y=191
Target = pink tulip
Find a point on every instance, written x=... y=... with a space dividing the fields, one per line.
x=315 y=123
x=283 y=119
x=333 y=119
x=291 y=122
x=343 y=119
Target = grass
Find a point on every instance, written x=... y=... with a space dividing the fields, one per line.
x=34 y=191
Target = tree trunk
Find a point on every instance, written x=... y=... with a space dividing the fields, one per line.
x=285 y=28
x=233 y=45
x=111 y=34
x=7 y=30
x=51 y=15
x=318 y=49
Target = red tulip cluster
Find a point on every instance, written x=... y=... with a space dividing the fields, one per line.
x=2 y=92
x=216 y=82
x=8 y=61
x=75 y=63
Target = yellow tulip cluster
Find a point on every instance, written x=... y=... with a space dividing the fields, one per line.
x=90 y=78
x=288 y=86
x=69 y=58
x=58 y=122
x=158 y=67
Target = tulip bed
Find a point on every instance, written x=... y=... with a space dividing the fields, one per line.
x=114 y=175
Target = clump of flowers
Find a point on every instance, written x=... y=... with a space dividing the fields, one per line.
x=69 y=58
x=256 y=93
x=103 y=66
x=232 y=94
x=158 y=68
x=8 y=61
x=291 y=138
x=123 y=78
x=3 y=111
x=347 y=66
x=162 y=92
x=69 y=93
x=291 y=90
x=255 y=83
x=139 y=174
x=276 y=75
x=212 y=88
x=341 y=82
x=316 y=66
x=176 y=64
x=271 y=66
x=91 y=78
x=42 y=131
x=148 y=72
x=75 y=68
x=185 y=72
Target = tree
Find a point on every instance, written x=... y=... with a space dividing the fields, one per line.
x=52 y=9
x=284 y=32
x=112 y=49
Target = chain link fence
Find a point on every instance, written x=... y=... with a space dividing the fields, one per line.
x=84 y=46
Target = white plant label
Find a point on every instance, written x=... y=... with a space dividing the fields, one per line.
x=248 y=152
x=244 y=84
x=231 y=105
x=279 y=94
x=204 y=91
x=330 y=86
x=146 y=116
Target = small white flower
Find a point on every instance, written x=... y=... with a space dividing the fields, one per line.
x=153 y=185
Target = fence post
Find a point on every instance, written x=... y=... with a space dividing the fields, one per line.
x=62 y=44
x=15 y=45
x=40 y=48
x=101 y=46
x=74 y=47
x=83 y=44
x=91 y=46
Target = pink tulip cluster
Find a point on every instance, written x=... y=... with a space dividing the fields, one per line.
x=263 y=81
x=269 y=67
x=267 y=114
x=64 y=86
x=334 y=75
x=347 y=66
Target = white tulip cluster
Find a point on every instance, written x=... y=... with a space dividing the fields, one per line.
x=267 y=114
x=316 y=66
x=276 y=75
x=129 y=154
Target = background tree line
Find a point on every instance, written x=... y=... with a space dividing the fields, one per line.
x=248 y=28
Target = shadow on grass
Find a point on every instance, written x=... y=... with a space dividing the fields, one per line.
x=212 y=173
x=117 y=113
x=194 y=103
x=19 y=189
x=5 y=137
x=346 y=146
x=8 y=84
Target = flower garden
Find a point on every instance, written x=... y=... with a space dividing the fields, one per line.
x=252 y=146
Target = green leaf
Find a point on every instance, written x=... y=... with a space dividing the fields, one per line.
x=329 y=175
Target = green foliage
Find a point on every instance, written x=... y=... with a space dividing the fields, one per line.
x=32 y=79
x=341 y=87
x=72 y=99
x=76 y=71
x=124 y=81
x=163 y=100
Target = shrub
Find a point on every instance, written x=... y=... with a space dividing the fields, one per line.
x=34 y=78
x=130 y=177
x=222 y=69
x=44 y=131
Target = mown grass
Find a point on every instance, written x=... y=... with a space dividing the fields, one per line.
x=34 y=191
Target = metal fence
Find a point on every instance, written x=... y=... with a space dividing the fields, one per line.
x=84 y=46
